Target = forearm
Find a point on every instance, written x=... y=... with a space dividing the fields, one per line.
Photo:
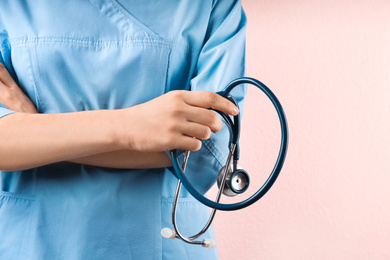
x=31 y=140
x=134 y=137
x=176 y=120
x=127 y=159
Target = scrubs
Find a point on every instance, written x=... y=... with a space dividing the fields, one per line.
x=104 y=54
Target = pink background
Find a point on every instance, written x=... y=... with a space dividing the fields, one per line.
x=328 y=62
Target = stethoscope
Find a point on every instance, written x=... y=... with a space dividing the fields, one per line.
x=232 y=179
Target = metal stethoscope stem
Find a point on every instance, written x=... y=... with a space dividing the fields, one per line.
x=208 y=243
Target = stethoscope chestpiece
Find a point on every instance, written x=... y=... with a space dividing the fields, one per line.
x=237 y=180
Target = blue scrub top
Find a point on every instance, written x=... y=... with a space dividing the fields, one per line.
x=104 y=54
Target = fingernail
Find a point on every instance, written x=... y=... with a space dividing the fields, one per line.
x=235 y=110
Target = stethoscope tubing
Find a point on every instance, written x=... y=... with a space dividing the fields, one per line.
x=278 y=165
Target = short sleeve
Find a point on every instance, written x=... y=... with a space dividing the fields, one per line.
x=5 y=59
x=221 y=60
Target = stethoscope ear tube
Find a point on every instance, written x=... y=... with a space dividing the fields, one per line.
x=278 y=165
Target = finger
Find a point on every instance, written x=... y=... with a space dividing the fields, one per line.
x=6 y=78
x=5 y=93
x=211 y=100
x=205 y=117
x=196 y=130
x=187 y=143
x=16 y=100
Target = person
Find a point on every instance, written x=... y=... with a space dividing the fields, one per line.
x=92 y=95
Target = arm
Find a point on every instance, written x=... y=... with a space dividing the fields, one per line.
x=126 y=159
x=31 y=140
x=14 y=99
x=221 y=59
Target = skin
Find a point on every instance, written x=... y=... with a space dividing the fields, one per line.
x=175 y=120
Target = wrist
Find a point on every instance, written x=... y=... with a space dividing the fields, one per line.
x=121 y=136
x=114 y=137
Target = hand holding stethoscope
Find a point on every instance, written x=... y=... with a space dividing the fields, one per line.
x=232 y=180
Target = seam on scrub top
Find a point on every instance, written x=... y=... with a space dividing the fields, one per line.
x=26 y=240
x=181 y=200
x=88 y=41
x=124 y=42
x=146 y=29
x=213 y=151
x=7 y=194
x=34 y=79
x=137 y=22
x=167 y=71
